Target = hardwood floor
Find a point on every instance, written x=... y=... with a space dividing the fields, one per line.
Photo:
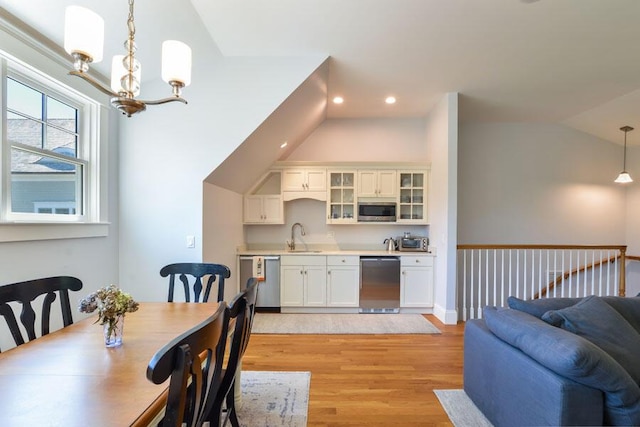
x=368 y=380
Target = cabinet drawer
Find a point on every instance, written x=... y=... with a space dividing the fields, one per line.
x=414 y=261
x=303 y=260
x=343 y=260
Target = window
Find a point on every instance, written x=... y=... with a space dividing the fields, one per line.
x=48 y=171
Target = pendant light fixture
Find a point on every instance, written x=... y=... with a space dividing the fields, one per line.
x=624 y=177
x=83 y=40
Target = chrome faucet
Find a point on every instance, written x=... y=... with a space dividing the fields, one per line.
x=292 y=243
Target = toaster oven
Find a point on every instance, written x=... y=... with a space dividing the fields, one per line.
x=413 y=244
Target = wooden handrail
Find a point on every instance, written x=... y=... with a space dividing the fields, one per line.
x=568 y=274
x=614 y=247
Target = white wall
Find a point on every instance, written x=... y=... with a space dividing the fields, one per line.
x=169 y=150
x=364 y=140
x=633 y=220
x=92 y=260
x=442 y=149
x=222 y=229
x=538 y=183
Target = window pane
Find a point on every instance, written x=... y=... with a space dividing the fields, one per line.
x=23 y=99
x=61 y=114
x=25 y=131
x=41 y=184
x=61 y=142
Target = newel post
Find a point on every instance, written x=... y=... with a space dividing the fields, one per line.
x=623 y=272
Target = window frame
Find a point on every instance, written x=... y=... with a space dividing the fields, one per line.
x=88 y=147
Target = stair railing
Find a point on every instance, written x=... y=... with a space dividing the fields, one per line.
x=489 y=274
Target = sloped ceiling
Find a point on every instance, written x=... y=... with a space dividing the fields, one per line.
x=291 y=122
x=565 y=61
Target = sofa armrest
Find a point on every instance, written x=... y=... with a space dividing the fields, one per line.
x=512 y=389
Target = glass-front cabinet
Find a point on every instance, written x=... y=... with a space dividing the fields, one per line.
x=413 y=197
x=341 y=206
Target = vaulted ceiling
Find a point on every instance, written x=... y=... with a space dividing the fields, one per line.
x=566 y=61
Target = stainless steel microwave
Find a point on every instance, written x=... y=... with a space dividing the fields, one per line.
x=376 y=212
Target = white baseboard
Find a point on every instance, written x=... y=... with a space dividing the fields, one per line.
x=448 y=317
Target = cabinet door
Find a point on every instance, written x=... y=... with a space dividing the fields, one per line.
x=293 y=180
x=367 y=183
x=315 y=286
x=416 y=289
x=316 y=180
x=253 y=209
x=387 y=183
x=272 y=209
x=342 y=286
x=291 y=286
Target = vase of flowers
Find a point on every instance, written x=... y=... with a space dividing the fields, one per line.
x=112 y=304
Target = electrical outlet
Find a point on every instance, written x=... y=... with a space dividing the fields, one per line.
x=331 y=234
x=191 y=241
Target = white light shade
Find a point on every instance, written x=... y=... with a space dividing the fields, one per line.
x=623 y=178
x=118 y=71
x=83 y=32
x=176 y=62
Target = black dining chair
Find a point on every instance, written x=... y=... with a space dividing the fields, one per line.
x=242 y=309
x=193 y=275
x=193 y=361
x=25 y=293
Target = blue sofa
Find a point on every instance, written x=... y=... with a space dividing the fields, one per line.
x=556 y=362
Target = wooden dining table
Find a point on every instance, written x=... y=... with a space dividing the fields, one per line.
x=69 y=378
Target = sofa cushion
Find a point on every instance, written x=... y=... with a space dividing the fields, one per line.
x=628 y=307
x=538 y=307
x=571 y=356
x=595 y=320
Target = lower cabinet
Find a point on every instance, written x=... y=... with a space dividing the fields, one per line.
x=303 y=281
x=343 y=280
x=319 y=281
x=416 y=281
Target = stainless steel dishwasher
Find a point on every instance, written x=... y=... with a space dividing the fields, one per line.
x=379 y=284
x=268 y=299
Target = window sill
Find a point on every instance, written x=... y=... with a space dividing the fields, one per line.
x=28 y=231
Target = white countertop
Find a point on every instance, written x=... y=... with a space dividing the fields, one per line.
x=364 y=252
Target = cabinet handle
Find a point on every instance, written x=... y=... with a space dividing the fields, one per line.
x=301 y=272
x=344 y=260
x=329 y=272
x=418 y=261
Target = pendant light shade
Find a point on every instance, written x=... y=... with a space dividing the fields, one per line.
x=624 y=177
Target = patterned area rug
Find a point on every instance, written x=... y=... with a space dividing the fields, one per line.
x=281 y=323
x=274 y=399
x=461 y=410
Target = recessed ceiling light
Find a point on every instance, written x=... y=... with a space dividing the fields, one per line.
x=338 y=100
x=390 y=100
x=284 y=144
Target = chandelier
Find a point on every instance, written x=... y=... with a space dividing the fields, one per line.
x=624 y=177
x=83 y=40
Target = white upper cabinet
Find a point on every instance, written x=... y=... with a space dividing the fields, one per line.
x=263 y=204
x=412 y=204
x=304 y=183
x=377 y=183
x=341 y=197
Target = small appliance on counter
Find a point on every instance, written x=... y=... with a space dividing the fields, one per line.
x=408 y=243
x=392 y=245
